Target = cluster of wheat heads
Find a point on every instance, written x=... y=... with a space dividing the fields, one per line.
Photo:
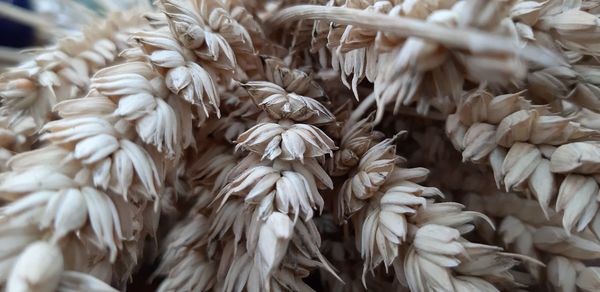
x=351 y=145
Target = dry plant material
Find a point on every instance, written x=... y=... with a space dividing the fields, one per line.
x=287 y=146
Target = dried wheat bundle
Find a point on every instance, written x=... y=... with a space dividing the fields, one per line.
x=59 y=72
x=341 y=145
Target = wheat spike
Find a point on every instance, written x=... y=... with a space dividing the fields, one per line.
x=304 y=146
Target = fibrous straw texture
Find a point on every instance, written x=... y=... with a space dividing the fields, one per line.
x=349 y=145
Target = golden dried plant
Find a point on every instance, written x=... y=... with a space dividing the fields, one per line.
x=231 y=145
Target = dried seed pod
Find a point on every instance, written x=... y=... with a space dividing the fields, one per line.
x=280 y=104
x=385 y=227
x=478 y=142
x=520 y=162
x=579 y=157
x=356 y=140
x=31 y=274
x=141 y=133
x=279 y=190
x=286 y=141
x=273 y=239
x=558 y=241
x=520 y=235
x=63 y=72
x=528 y=166
x=439 y=245
x=542 y=184
x=182 y=75
x=562 y=273
x=588 y=279
x=370 y=174
x=577 y=197
x=442 y=253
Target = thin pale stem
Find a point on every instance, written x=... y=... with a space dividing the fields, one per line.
x=362 y=108
x=11 y=55
x=463 y=38
x=27 y=17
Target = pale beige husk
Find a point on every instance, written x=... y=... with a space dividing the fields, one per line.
x=341 y=145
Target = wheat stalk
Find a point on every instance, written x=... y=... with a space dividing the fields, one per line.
x=259 y=144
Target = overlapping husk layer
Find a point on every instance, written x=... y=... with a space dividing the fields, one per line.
x=350 y=145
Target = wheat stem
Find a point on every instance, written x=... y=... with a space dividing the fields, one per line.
x=462 y=38
x=29 y=18
x=8 y=54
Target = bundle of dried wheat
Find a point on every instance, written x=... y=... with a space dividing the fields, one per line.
x=228 y=145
